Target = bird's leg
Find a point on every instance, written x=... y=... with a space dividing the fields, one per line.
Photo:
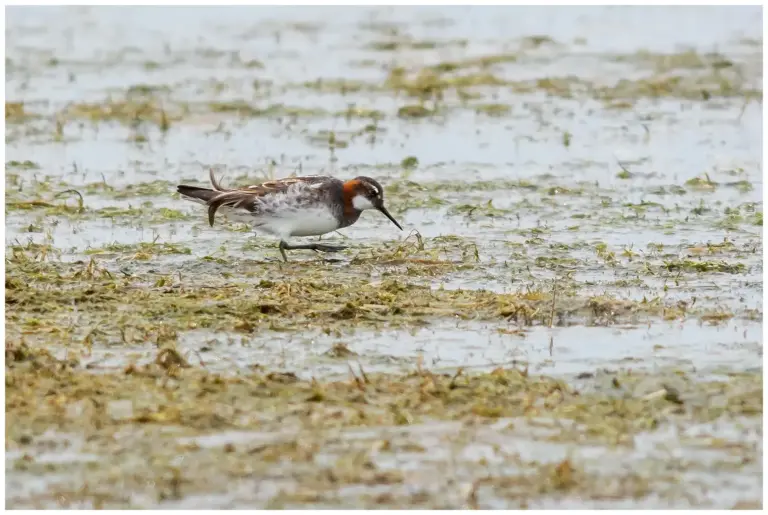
x=283 y=245
x=320 y=247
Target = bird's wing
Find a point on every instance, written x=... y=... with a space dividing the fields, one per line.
x=244 y=197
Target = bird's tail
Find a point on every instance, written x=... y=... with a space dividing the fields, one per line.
x=213 y=198
x=201 y=195
x=196 y=194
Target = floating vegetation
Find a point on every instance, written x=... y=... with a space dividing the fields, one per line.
x=143 y=189
x=493 y=109
x=485 y=61
x=60 y=206
x=22 y=165
x=360 y=112
x=403 y=187
x=414 y=111
x=145 y=250
x=16 y=113
x=244 y=109
x=128 y=112
x=480 y=210
x=146 y=213
x=703 y=183
x=689 y=59
x=340 y=86
x=51 y=207
x=409 y=162
x=742 y=186
x=398 y=44
x=705 y=266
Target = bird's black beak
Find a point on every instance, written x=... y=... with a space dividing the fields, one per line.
x=386 y=213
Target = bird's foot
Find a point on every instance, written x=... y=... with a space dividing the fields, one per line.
x=317 y=247
x=320 y=247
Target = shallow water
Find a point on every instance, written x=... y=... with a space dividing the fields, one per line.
x=592 y=193
x=708 y=349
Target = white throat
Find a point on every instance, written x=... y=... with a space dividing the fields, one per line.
x=361 y=203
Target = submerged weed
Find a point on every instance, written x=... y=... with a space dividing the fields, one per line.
x=493 y=109
x=143 y=249
x=22 y=165
x=687 y=265
x=414 y=111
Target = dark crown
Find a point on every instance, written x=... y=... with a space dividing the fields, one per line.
x=372 y=187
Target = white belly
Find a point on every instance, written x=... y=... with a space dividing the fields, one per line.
x=304 y=222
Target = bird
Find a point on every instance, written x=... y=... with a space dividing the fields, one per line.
x=308 y=205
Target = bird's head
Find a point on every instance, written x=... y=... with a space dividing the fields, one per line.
x=363 y=193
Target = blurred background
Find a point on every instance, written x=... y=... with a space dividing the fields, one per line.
x=249 y=85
